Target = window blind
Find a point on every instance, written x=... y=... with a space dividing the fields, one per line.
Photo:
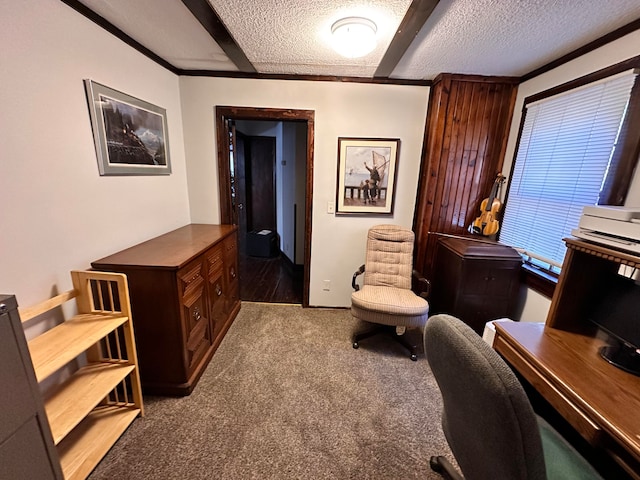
x=563 y=158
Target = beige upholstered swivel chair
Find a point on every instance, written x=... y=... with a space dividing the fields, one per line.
x=386 y=297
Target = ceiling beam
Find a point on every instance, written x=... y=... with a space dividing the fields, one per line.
x=309 y=78
x=208 y=18
x=415 y=18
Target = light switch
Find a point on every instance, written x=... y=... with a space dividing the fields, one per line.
x=331 y=207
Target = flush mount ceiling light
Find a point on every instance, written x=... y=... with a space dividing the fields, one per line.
x=354 y=37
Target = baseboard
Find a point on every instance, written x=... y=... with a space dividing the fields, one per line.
x=295 y=270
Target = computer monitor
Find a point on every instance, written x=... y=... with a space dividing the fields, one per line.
x=617 y=312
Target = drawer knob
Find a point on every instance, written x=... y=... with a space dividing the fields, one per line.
x=196 y=314
x=218 y=290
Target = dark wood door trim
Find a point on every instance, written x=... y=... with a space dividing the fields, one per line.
x=226 y=113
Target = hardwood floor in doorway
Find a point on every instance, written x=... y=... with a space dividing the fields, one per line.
x=270 y=280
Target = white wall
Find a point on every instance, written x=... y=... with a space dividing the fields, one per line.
x=537 y=306
x=58 y=214
x=341 y=109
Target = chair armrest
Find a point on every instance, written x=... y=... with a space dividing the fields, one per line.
x=422 y=285
x=360 y=271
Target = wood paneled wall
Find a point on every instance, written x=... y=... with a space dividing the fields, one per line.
x=464 y=144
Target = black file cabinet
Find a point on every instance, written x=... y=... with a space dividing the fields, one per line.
x=26 y=444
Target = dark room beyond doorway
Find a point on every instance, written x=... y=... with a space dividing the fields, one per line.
x=269 y=171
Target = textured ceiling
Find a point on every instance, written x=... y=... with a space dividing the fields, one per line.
x=167 y=28
x=292 y=37
x=508 y=37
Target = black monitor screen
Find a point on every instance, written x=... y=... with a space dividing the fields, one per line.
x=616 y=310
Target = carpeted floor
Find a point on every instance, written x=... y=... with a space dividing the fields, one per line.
x=287 y=397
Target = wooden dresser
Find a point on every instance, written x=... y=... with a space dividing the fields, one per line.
x=184 y=296
x=475 y=281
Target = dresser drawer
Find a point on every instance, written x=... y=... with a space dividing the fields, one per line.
x=215 y=262
x=230 y=246
x=232 y=292
x=195 y=316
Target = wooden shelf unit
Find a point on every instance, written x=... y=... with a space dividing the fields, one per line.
x=89 y=411
x=586 y=269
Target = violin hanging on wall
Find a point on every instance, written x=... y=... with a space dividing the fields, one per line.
x=487 y=224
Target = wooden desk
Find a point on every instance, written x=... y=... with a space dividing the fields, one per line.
x=599 y=400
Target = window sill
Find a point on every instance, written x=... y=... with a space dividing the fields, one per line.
x=542 y=282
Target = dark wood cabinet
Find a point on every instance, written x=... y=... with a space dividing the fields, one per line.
x=26 y=443
x=475 y=281
x=184 y=297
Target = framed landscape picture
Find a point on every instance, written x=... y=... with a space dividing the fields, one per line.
x=366 y=175
x=130 y=134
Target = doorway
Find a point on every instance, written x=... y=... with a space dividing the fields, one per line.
x=254 y=178
x=249 y=179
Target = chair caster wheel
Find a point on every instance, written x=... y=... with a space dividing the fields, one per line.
x=435 y=465
x=355 y=345
x=414 y=357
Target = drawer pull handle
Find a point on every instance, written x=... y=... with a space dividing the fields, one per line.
x=196 y=314
x=233 y=273
x=218 y=290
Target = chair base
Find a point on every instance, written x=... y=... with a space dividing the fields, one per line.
x=391 y=332
x=442 y=466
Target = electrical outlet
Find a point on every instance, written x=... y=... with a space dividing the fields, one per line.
x=327 y=285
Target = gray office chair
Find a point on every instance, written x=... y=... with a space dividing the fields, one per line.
x=487 y=419
x=386 y=297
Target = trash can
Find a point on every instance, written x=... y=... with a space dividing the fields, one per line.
x=262 y=244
